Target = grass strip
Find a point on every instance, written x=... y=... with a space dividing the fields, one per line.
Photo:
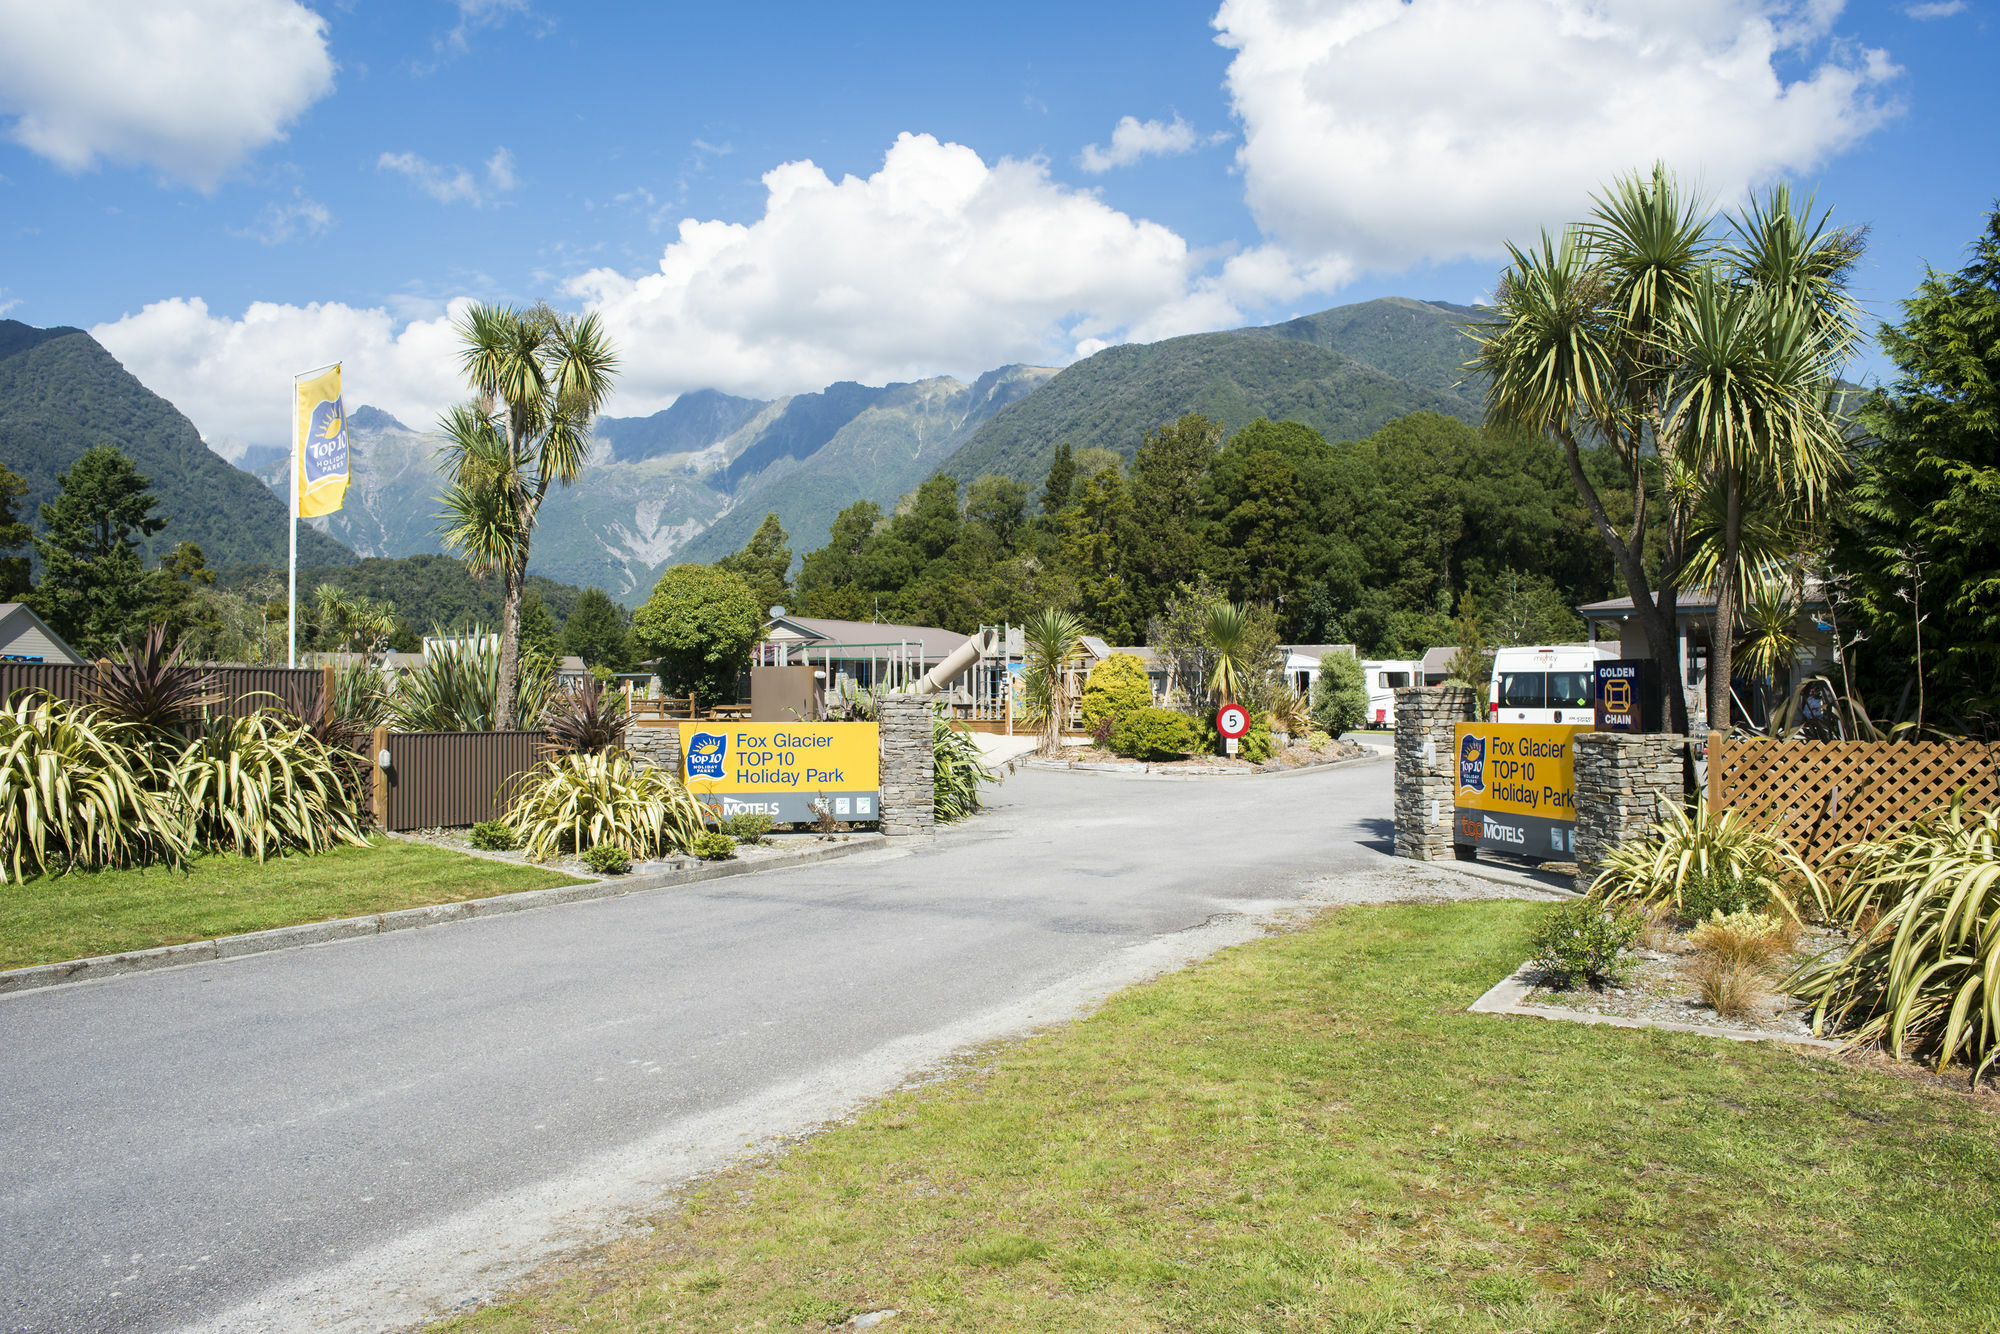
x=1309 y=1133
x=53 y=918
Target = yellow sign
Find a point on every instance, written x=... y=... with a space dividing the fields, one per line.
x=319 y=438
x=1518 y=768
x=788 y=771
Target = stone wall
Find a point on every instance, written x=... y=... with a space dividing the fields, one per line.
x=909 y=766
x=1426 y=767
x=655 y=747
x=1624 y=783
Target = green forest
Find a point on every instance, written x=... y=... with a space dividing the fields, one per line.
x=1380 y=542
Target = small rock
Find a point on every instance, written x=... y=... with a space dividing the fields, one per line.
x=869 y=1319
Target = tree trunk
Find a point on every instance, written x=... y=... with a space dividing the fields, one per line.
x=1722 y=637
x=1659 y=618
x=515 y=580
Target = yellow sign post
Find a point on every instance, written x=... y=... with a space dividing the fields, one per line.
x=788 y=771
x=1516 y=789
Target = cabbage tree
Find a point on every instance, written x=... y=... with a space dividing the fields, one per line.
x=539 y=378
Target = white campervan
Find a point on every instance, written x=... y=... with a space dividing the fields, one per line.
x=1382 y=680
x=1548 y=683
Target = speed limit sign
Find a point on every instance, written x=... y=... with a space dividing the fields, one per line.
x=1232 y=720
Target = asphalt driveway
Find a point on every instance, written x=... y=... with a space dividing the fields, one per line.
x=355 y=1135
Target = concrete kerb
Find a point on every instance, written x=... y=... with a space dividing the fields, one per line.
x=1509 y=997
x=98 y=967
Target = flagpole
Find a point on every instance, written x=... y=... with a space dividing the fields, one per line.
x=292 y=529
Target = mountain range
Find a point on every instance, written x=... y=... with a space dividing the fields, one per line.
x=692 y=482
x=61 y=393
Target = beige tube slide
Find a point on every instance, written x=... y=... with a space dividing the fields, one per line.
x=954 y=666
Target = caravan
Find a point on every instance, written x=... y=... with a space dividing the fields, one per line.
x=1548 y=683
x=1382 y=680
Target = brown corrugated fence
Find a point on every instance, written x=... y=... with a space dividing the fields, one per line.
x=441 y=779
x=244 y=690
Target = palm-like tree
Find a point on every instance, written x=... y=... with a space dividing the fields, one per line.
x=1576 y=355
x=1703 y=366
x=540 y=377
x=1229 y=638
x=1761 y=342
x=1051 y=642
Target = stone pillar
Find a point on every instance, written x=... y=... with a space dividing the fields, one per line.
x=655 y=747
x=1625 y=782
x=909 y=766
x=1426 y=767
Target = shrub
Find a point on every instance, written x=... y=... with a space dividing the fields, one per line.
x=1733 y=988
x=1155 y=734
x=1580 y=941
x=77 y=793
x=1318 y=740
x=1257 y=746
x=265 y=784
x=585 y=719
x=749 y=827
x=575 y=801
x=608 y=858
x=153 y=687
x=958 y=771
x=493 y=836
x=714 y=846
x=1714 y=856
x=1923 y=975
x=1340 y=695
x=457 y=689
x=1117 y=686
x=1721 y=890
x=1752 y=938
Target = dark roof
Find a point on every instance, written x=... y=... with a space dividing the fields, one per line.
x=1690 y=599
x=937 y=642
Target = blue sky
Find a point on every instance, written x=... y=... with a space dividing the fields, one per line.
x=225 y=190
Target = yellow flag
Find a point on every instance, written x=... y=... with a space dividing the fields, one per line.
x=319 y=459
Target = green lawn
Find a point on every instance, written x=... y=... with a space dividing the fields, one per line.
x=1309 y=1133
x=107 y=912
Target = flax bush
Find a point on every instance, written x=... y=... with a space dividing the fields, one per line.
x=1923 y=974
x=82 y=791
x=1694 y=865
x=958 y=771
x=262 y=785
x=571 y=802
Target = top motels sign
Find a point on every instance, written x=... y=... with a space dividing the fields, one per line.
x=1516 y=789
x=788 y=771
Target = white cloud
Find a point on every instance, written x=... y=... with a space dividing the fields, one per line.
x=1377 y=134
x=189 y=88
x=288 y=219
x=1939 y=9
x=937 y=262
x=1132 y=139
x=454 y=184
x=476 y=14
x=229 y=375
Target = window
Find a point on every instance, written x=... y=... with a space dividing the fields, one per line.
x=1571 y=690
x=1524 y=690
x=1393 y=680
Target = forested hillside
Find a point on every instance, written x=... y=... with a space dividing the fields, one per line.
x=1385 y=541
x=1306 y=371
x=61 y=393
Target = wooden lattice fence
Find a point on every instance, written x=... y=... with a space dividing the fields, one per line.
x=1821 y=794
